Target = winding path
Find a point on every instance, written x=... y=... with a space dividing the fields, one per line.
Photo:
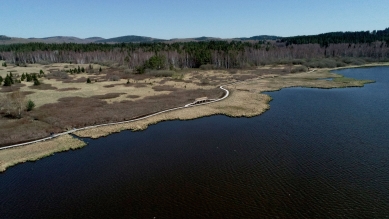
x=133 y=120
x=227 y=93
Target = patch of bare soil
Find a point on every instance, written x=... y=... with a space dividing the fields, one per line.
x=133 y=96
x=73 y=112
x=43 y=87
x=164 y=88
x=12 y=88
x=68 y=89
x=107 y=96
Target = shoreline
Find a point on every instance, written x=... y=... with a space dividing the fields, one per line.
x=245 y=99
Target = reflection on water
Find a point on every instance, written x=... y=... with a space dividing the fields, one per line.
x=316 y=153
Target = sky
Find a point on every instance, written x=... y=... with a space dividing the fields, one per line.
x=166 y=19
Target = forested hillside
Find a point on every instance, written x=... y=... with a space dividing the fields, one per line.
x=326 y=39
x=323 y=50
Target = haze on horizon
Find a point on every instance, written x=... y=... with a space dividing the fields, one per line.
x=186 y=19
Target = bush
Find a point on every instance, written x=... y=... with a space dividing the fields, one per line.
x=140 y=70
x=114 y=78
x=36 y=82
x=30 y=105
x=127 y=71
x=156 y=62
x=299 y=69
x=161 y=73
x=207 y=67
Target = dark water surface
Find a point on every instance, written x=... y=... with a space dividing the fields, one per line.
x=315 y=154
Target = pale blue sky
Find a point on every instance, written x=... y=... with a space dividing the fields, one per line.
x=189 y=18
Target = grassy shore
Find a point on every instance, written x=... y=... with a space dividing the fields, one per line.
x=33 y=152
x=246 y=100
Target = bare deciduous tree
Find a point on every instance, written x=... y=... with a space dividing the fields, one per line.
x=13 y=103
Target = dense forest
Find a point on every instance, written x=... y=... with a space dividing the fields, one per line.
x=336 y=49
x=326 y=39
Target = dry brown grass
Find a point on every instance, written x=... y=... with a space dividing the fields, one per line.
x=75 y=104
x=13 y=156
x=245 y=100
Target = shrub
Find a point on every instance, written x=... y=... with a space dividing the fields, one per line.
x=127 y=71
x=156 y=62
x=140 y=70
x=299 y=69
x=114 y=78
x=161 y=73
x=207 y=67
x=30 y=105
x=36 y=82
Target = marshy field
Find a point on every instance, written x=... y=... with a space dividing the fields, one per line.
x=73 y=96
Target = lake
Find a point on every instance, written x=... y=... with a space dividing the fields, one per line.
x=317 y=153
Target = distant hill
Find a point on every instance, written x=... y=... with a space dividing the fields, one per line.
x=129 y=39
x=122 y=39
x=3 y=37
x=260 y=37
x=54 y=39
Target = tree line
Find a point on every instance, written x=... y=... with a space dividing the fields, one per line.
x=220 y=54
x=325 y=39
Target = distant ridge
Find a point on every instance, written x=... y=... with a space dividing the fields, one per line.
x=260 y=37
x=129 y=39
x=3 y=37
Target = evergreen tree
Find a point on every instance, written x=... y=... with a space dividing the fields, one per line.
x=30 y=105
x=7 y=81
x=36 y=82
x=1 y=79
x=10 y=78
x=23 y=77
x=88 y=81
x=78 y=70
x=34 y=77
x=82 y=69
x=100 y=69
x=28 y=77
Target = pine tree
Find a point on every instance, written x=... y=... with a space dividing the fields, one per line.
x=78 y=70
x=36 y=82
x=88 y=81
x=1 y=79
x=23 y=77
x=30 y=105
x=28 y=76
x=7 y=81
x=100 y=69
x=10 y=79
x=82 y=69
